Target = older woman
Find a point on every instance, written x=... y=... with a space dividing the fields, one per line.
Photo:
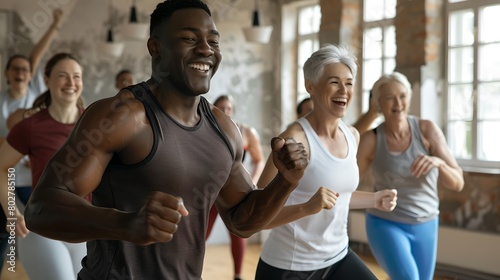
x=410 y=155
x=309 y=242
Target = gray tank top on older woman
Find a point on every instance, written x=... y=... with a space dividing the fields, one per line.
x=418 y=199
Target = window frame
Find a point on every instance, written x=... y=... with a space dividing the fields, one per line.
x=384 y=24
x=299 y=75
x=288 y=99
x=474 y=164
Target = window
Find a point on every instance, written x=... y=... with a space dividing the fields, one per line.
x=299 y=39
x=473 y=81
x=308 y=23
x=379 y=43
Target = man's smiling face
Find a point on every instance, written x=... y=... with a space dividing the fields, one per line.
x=189 y=51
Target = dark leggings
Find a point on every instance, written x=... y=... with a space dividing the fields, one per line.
x=350 y=267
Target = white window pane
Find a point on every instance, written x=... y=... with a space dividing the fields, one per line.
x=460 y=139
x=461 y=28
x=372 y=70
x=489 y=62
x=456 y=1
x=374 y=10
x=390 y=8
x=390 y=41
x=489 y=101
x=309 y=20
x=315 y=45
x=305 y=16
x=372 y=46
x=316 y=20
x=365 y=98
x=488 y=148
x=306 y=48
x=460 y=65
x=489 y=23
x=389 y=65
x=460 y=106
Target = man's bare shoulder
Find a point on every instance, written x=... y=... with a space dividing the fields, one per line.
x=117 y=120
x=119 y=113
x=120 y=107
x=230 y=129
x=227 y=124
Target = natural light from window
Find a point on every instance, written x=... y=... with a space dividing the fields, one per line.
x=309 y=20
x=379 y=44
x=474 y=82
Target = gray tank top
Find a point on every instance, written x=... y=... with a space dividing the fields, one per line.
x=418 y=199
x=189 y=162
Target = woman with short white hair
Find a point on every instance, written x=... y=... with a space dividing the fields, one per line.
x=309 y=238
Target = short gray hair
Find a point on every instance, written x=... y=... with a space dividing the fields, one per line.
x=326 y=55
x=387 y=78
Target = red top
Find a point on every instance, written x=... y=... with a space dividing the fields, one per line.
x=39 y=137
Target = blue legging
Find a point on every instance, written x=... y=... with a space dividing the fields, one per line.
x=404 y=251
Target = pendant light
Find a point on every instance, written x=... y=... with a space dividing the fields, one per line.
x=110 y=47
x=257 y=33
x=134 y=30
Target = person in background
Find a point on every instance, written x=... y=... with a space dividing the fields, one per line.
x=123 y=79
x=23 y=88
x=251 y=145
x=304 y=107
x=309 y=238
x=410 y=155
x=40 y=136
x=156 y=157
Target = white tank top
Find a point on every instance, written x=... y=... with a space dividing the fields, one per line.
x=317 y=241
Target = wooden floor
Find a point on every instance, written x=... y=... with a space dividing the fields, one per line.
x=19 y=273
x=219 y=266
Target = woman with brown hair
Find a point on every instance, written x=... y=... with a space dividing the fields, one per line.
x=39 y=136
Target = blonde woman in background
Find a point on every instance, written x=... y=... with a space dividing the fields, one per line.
x=410 y=155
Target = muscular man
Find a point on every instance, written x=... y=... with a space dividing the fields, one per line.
x=156 y=157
